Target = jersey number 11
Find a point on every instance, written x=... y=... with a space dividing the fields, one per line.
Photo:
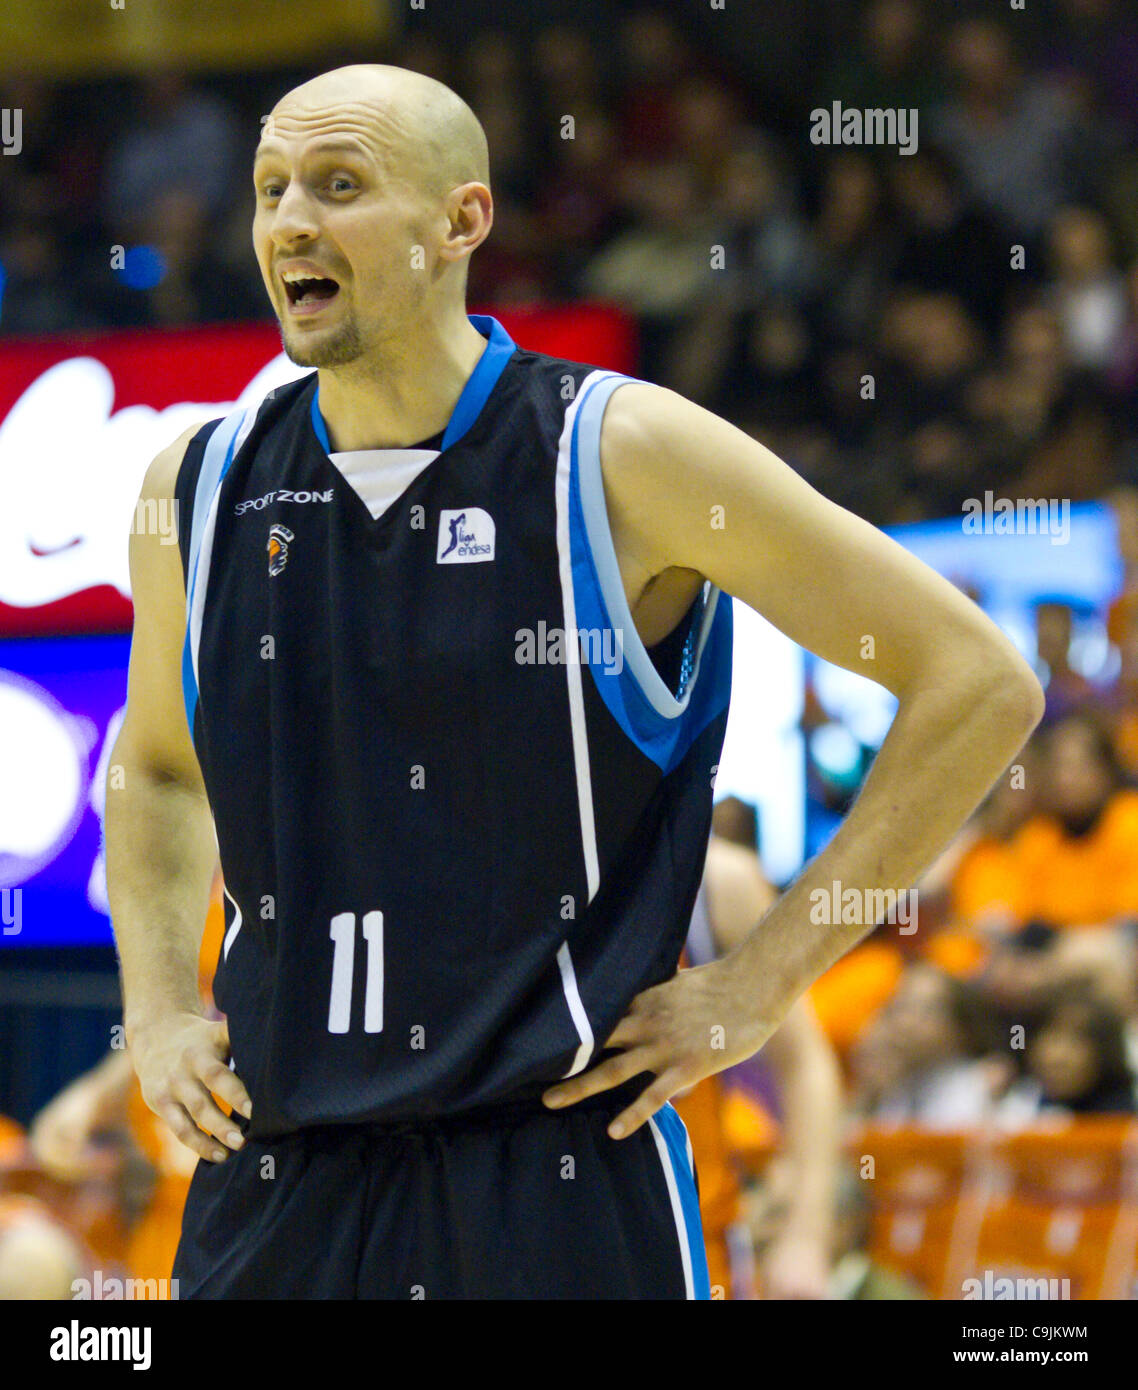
x=343 y=934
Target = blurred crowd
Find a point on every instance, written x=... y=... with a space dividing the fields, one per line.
x=908 y=330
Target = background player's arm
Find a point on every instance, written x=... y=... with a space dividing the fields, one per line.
x=843 y=589
x=61 y=1134
x=161 y=852
x=809 y=1085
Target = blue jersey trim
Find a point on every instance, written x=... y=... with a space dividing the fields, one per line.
x=498 y=351
x=189 y=684
x=483 y=379
x=662 y=726
x=676 y=1138
x=318 y=421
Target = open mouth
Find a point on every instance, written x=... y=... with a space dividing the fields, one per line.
x=308 y=291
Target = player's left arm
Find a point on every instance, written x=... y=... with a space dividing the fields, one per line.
x=686 y=489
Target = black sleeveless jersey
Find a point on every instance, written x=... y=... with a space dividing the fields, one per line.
x=461 y=810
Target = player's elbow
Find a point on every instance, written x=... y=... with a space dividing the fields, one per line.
x=987 y=681
x=1010 y=695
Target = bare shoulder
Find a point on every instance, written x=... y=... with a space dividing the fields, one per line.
x=155 y=561
x=642 y=424
x=154 y=733
x=629 y=415
x=644 y=470
x=649 y=429
x=162 y=473
x=667 y=463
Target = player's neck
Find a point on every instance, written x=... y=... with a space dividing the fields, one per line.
x=408 y=400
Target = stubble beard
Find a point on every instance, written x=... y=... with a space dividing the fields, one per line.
x=336 y=349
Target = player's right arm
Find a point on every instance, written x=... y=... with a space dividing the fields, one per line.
x=161 y=850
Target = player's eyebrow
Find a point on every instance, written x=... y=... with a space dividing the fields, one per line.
x=324 y=147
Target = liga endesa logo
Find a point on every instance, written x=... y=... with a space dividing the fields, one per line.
x=71 y=469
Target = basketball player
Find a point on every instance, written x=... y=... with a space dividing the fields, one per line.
x=462 y=800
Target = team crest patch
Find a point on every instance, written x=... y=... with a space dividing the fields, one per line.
x=279 y=537
x=465 y=536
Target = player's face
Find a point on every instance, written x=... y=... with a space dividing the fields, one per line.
x=334 y=207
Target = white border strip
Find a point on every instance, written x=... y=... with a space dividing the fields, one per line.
x=573 y=668
x=231 y=934
x=677 y=1204
x=579 y=732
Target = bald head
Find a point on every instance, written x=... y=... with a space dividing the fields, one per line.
x=374 y=180
x=434 y=139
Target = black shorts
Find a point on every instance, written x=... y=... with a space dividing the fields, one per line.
x=518 y=1202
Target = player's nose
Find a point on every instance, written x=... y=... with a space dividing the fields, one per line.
x=294 y=216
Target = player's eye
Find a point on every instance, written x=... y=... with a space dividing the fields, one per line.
x=341 y=179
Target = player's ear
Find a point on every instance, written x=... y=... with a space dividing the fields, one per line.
x=470 y=215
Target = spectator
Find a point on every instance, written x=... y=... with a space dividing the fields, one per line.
x=1015 y=402
x=1093 y=48
x=979 y=866
x=1065 y=687
x=948 y=246
x=36 y=292
x=189 y=282
x=706 y=109
x=577 y=205
x=887 y=66
x=1076 y=1063
x=567 y=71
x=653 y=57
x=183 y=133
x=1014 y=135
x=659 y=268
x=1018 y=974
x=1076 y=860
x=1087 y=290
x=768 y=243
x=1120 y=705
x=933 y=1048
x=852 y=250
x=1121 y=376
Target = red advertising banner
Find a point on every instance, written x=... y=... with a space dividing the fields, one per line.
x=81 y=418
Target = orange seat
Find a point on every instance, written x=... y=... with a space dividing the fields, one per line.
x=925 y=1200
x=1060 y=1205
